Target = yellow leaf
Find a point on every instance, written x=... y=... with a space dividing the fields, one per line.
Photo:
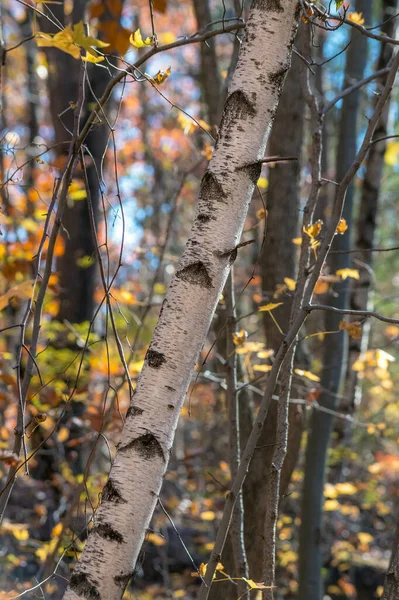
x=57 y=529
x=345 y=273
x=167 y=37
x=256 y=586
x=262 y=368
x=63 y=40
x=263 y=183
x=346 y=488
x=79 y=194
x=297 y=241
x=137 y=40
x=392 y=153
x=313 y=229
x=156 y=539
x=354 y=330
x=341 y=227
x=290 y=283
x=22 y=290
x=364 y=538
x=356 y=17
x=261 y=214
x=21 y=534
x=265 y=353
x=269 y=307
x=93 y=59
x=161 y=76
x=331 y=505
x=208 y=515
x=307 y=374
x=239 y=337
x=63 y=434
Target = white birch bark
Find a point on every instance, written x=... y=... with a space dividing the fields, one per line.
x=135 y=480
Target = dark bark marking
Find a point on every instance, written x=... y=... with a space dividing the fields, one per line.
x=238 y=107
x=146 y=445
x=203 y=218
x=171 y=406
x=123 y=579
x=269 y=5
x=107 y=532
x=112 y=494
x=253 y=170
x=277 y=79
x=155 y=359
x=211 y=189
x=80 y=584
x=133 y=411
x=170 y=388
x=197 y=274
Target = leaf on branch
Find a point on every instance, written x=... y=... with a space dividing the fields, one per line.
x=93 y=59
x=338 y=4
x=290 y=283
x=346 y=273
x=313 y=229
x=161 y=76
x=307 y=374
x=256 y=586
x=353 y=328
x=262 y=368
x=137 y=40
x=270 y=306
x=341 y=227
x=239 y=337
x=356 y=17
x=70 y=40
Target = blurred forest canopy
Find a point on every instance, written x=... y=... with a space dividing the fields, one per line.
x=278 y=453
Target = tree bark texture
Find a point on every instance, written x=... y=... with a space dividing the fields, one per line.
x=391 y=586
x=131 y=493
x=283 y=200
x=336 y=345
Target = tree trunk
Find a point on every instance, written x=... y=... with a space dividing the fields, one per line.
x=391 y=587
x=130 y=496
x=211 y=82
x=283 y=198
x=77 y=267
x=336 y=345
x=368 y=209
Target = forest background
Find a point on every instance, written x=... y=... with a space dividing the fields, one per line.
x=80 y=297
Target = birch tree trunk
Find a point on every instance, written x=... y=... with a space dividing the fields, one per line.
x=131 y=493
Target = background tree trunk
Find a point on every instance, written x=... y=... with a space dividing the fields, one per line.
x=283 y=200
x=336 y=345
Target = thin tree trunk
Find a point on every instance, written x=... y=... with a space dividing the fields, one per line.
x=283 y=199
x=211 y=82
x=336 y=346
x=361 y=298
x=391 y=587
x=77 y=266
x=130 y=496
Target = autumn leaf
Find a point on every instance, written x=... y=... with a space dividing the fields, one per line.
x=313 y=229
x=269 y=307
x=262 y=368
x=137 y=40
x=93 y=59
x=338 y=4
x=22 y=290
x=392 y=153
x=346 y=273
x=341 y=227
x=307 y=374
x=353 y=329
x=290 y=283
x=356 y=17
x=161 y=76
x=156 y=539
x=70 y=40
x=256 y=586
x=208 y=515
x=160 y=5
x=239 y=337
